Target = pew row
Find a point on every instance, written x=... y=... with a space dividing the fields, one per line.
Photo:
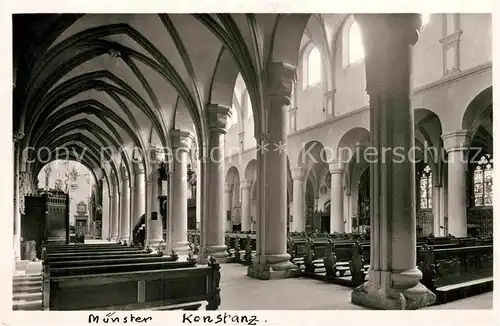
x=128 y=286
x=451 y=270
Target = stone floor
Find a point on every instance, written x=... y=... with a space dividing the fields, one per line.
x=239 y=292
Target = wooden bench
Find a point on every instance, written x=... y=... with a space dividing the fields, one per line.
x=241 y=247
x=352 y=259
x=455 y=273
x=162 y=285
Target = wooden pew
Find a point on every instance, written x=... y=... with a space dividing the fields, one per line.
x=241 y=247
x=170 y=285
x=455 y=273
x=352 y=258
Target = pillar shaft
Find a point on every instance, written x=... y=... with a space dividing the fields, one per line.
x=393 y=275
x=125 y=208
x=271 y=259
x=139 y=193
x=337 y=198
x=154 y=224
x=228 y=204
x=455 y=144
x=245 y=205
x=17 y=212
x=115 y=208
x=444 y=211
x=276 y=218
x=214 y=228
x=298 y=208
x=181 y=143
x=436 y=210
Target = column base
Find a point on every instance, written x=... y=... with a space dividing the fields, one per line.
x=153 y=243
x=218 y=251
x=274 y=268
x=180 y=247
x=123 y=240
x=370 y=296
x=114 y=238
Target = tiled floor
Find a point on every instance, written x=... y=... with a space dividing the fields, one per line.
x=239 y=292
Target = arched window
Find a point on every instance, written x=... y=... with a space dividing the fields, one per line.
x=483 y=181
x=356 y=49
x=426 y=188
x=233 y=119
x=313 y=67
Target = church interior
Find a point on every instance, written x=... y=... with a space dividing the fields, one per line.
x=252 y=161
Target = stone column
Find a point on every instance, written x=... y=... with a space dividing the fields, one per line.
x=115 y=208
x=228 y=204
x=337 y=198
x=17 y=195
x=181 y=144
x=139 y=192
x=444 y=211
x=347 y=213
x=198 y=195
x=125 y=207
x=245 y=185
x=436 y=210
x=298 y=209
x=106 y=217
x=393 y=278
x=456 y=144
x=272 y=259
x=214 y=228
x=154 y=223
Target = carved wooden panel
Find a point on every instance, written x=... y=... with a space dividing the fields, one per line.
x=482 y=219
x=425 y=223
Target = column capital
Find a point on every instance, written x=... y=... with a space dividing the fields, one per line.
x=401 y=27
x=138 y=167
x=17 y=135
x=156 y=155
x=280 y=78
x=388 y=72
x=182 y=139
x=113 y=179
x=456 y=140
x=245 y=184
x=336 y=166
x=228 y=187
x=298 y=173
x=263 y=138
x=217 y=116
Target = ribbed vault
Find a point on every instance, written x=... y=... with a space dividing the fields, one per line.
x=122 y=82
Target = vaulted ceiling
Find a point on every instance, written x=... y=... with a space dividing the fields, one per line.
x=124 y=81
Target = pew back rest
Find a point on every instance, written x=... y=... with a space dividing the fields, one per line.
x=112 y=261
x=115 y=268
x=462 y=264
x=174 y=286
x=49 y=260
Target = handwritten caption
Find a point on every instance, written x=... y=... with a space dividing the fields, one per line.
x=111 y=318
x=224 y=318
x=187 y=318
